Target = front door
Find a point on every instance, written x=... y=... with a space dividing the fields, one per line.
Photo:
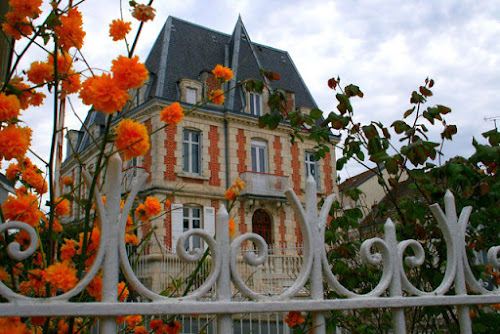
x=261 y=224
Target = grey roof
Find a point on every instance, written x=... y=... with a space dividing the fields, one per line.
x=185 y=50
x=192 y=49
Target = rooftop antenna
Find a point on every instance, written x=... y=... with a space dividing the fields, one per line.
x=492 y=118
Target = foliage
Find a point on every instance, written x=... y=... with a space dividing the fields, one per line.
x=404 y=155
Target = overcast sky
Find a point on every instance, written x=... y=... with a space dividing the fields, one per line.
x=387 y=48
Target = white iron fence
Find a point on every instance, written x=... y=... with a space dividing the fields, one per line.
x=394 y=290
x=164 y=270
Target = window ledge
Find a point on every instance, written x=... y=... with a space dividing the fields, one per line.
x=193 y=176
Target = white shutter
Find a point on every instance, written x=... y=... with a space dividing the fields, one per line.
x=201 y=154
x=177 y=223
x=209 y=219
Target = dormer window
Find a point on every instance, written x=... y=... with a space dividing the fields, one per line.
x=255 y=103
x=191 y=95
x=190 y=90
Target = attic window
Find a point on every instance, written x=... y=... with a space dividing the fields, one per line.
x=214 y=39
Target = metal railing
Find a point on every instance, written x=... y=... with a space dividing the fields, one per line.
x=262 y=184
x=458 y=288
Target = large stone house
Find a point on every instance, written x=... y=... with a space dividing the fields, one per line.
x=193 y=163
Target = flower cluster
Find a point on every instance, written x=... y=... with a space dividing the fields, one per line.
x=235 y=189
x=132 y=138
x=172 y=114
x=19 y=20
x=151 y=207
x=143 y=13
x=118 y=29
x=294 y=318
x=223 y=73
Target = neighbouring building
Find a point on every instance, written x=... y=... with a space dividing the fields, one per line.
x=193 y=163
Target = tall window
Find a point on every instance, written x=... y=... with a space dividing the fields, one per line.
x=192 y=219
x=312 y=166
x=259 y=156
x=192 y=151
x=191 y=95
x=255 y=104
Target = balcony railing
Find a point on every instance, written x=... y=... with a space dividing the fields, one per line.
x=262 y=184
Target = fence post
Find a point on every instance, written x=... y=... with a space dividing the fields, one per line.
x=223 y=286
x=395 y=290
x=318 y=318
x=109 y=241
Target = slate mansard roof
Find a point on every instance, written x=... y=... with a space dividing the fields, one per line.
x=185 y=50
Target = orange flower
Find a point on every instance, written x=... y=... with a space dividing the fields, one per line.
x=232 y=228
x=13 y=325
x=140 y=330
x=239 y=184
x=35 y=284
x=14 y=142
x=17 y=25
x=156 y=325
x=131 y=239
x=62 y=207
x=71 y=84
x=24 y=208
x=70 y=30
x=230 y=194
x=103 y=92
x=36 y=99
x=30 y=8
x=172 y=114
x=34 y=178
x=294 y=318
x=94 y=288
x=173 y=327
x=118 y=29
x=12 y=171
x=3 y=275
x=143 y=13
x=217 y=97
x=132 y=138
x=129 y=72
x=223 y=73
x=64 y=62
x=61 y=275
x=151 y=207
x=9 y=107
x=133 y=320
x=68 y=249
x=122 y=292
x=39 y=72
x=67 y=180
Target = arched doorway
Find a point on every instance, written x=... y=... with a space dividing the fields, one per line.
x=261 y=224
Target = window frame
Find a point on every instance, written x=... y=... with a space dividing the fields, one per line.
x=188 y=95
x=189 y=220
x=188 y=166
x=259 y=146
x=311 y=162
x=255 y=99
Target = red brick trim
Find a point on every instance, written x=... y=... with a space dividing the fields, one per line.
x=282 y=228
x=241 y=152
x=167 y=222
x=214 y=153
x=170 y=160
x=296 y=170
x=242 y=227
x=278 y=159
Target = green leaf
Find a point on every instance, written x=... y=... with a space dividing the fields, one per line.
x=408 y=112
x=353 y=90
x=316 y=113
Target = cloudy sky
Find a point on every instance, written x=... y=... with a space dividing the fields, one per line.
x=387 y=48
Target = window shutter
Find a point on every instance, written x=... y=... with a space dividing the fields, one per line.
x=201 y=154
x=177 y=226
x=209 y=219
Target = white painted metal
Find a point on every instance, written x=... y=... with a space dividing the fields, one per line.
x=225 y=268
